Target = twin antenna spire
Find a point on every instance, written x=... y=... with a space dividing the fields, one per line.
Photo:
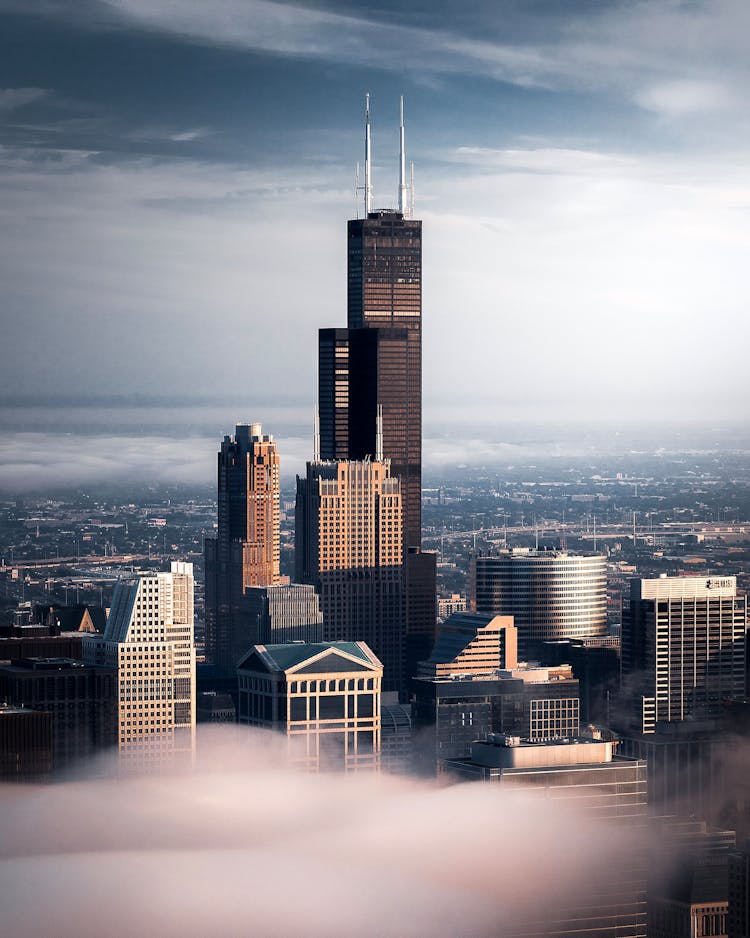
x=405 y=204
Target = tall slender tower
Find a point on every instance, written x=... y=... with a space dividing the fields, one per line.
x=370 y=376
x=245 y=552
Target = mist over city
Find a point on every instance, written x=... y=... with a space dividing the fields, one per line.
x=374 y=469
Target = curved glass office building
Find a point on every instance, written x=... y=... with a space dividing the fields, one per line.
x=550 y=594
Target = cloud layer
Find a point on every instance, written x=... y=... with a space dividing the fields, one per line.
x=244 y=844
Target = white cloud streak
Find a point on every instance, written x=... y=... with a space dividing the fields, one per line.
x=13 y=98
x=668 y=57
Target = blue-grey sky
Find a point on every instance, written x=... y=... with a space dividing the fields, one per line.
x=176 y=175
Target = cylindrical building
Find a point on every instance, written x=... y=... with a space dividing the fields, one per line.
x=550 y=594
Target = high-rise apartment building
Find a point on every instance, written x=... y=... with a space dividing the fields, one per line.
x=149 y=640
x=245 y=552
x=349 y=546
x=370 y=378
x=550 y=594
x=683 y=648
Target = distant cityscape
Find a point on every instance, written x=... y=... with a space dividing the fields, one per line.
x=565 y=631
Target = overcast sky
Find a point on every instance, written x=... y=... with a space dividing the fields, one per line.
x=176 y=176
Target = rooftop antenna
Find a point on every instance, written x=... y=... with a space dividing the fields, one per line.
x=357 y=188
x=316 y=435
x=379 y=434
x=411 y=190
x=402 y=206
x=368 y=181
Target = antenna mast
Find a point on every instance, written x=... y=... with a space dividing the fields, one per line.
x=402 y=206
x=368 y=182
x=411 y=190
x=379 y=434
x=316 y=435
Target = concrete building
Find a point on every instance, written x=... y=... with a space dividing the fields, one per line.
x=550 y=594
x=683 y=649
x=324 y=697
x=348 y=545
x=246 y=550
x=586 y=775
x=149 y=640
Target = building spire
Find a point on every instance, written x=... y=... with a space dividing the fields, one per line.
x=368 y=182
x=402 y=206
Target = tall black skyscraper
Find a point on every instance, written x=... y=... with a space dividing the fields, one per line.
x=376 y=362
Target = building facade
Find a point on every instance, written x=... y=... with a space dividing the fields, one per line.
x=149 y=641
x=348 y=545
x=81 y=699
x=550 y=594
x=246 y=550
x=584 y=775
x=324 y=697
x=472 y=686
x=370 y=381
x=683 y=649
x=286 y=612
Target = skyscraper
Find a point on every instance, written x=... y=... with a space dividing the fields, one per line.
x=149 y=640
x=245 y=552
x=373 y=367
x=550 y=594
x=683 y=648
x=348 y=545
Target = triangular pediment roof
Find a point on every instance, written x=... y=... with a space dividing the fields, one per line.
x=310 y=658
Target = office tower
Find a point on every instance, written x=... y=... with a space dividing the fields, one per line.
x=245 y=552
x=738 y=911
x=596 y=667
x=550 y=594
x=288 y=612
x=323 y=696
x=683 y=648
x=25 y=744
x=81 y=699
x=370 y=378
x=688 y=889
x=149 y=641
x=348 y=546
x=473 y=686
x=585 y=775
x=472 y=644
